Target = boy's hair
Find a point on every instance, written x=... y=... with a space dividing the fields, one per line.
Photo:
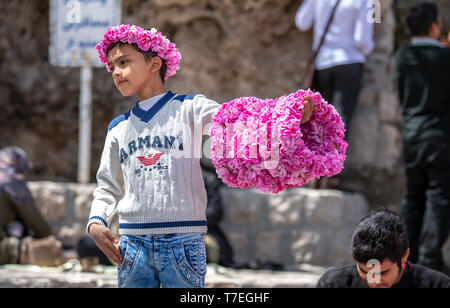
x=380 y=235
x=148 y=55
x=420 y=17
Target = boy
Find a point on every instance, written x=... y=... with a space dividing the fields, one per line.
x=423 y=84
x=155 y=150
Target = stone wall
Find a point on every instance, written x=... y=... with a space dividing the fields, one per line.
x=297 y=226
x=294 y=227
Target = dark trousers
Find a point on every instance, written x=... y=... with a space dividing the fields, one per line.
x=426 y=204
x=340 y=86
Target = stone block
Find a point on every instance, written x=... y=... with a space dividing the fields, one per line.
x=240 y=244
x=284 y=209
x=243 y=207
x=69 y=235
x=83 y=201
x=50 y=198
x=270 y=246
x=355 y=208
x=324 y=208
x=338 y=251
x=308 y=247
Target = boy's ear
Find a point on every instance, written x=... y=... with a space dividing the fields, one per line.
x=156 y=64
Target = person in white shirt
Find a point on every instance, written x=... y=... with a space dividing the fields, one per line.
x=349 y=41
x=340 y=62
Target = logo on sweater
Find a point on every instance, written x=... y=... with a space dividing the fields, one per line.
x=150 y=159
x=147 y=142
x=150 y=164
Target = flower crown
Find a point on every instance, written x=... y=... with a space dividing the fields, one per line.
x=146 y=40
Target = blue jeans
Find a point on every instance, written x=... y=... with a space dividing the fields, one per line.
x=168 y=261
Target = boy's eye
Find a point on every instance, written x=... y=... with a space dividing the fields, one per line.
x=123 y=61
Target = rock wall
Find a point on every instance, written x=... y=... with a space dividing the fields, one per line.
x=294 y=227
x=297 y=226
x=230 y=48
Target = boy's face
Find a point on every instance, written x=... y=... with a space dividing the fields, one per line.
x=130 y=71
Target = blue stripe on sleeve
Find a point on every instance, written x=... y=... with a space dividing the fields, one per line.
x=99 y=218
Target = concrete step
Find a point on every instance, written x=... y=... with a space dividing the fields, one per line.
x=29 y=276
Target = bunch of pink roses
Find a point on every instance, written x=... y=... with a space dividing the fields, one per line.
x=262 y=143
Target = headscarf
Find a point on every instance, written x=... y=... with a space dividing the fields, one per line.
x=14 y=163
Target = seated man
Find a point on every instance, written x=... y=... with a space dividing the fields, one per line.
x=380 y=249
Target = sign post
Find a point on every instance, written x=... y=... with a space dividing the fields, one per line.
x=85 y=119
x=76 y=26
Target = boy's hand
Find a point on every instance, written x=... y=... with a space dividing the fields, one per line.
x=106 y=241
x=307 y=110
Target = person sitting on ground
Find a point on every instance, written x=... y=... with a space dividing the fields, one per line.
x=25 y=236
x=380 y=249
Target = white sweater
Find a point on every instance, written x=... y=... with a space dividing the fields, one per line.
x=150 y=171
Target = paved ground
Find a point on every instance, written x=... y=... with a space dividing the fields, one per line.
x=14 y=276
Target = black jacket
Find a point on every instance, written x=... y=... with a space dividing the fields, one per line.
x=423 y=76
x=415 y=276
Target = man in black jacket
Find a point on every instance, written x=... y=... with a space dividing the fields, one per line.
x=380 y=249
x=423 y=74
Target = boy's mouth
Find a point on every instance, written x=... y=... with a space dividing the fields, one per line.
x=121 y=82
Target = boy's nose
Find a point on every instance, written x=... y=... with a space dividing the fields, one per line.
x=116 y=72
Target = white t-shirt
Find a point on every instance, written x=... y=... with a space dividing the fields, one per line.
x=350 y=36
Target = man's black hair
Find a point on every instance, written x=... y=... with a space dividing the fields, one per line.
x=148 y=55
x=420 y=17
x=380 y=235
